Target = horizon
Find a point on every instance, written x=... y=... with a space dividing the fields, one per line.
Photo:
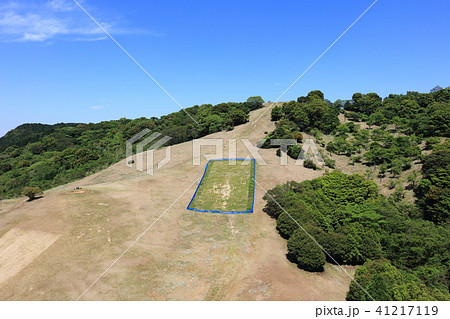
x=72 y=72
x=117 y=119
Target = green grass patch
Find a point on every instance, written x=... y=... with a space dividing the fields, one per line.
x=225 y=187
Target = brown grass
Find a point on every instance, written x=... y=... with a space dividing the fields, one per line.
x=185 y=256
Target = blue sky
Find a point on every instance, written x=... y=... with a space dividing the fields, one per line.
x=56 y=65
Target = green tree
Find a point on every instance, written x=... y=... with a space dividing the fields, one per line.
x=398 y=194
x=256 y=101
x=32 y=192
x=305 y=252
x=276 y=113
x=434 y=189
x=294 y=151
x=286 y=226
x=396 y=167
x=383 y=281
x=413 y=178
x=364 y=103
x=376 y=118
x=345 y=189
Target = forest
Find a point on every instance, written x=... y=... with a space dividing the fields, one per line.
x=45 y=156
x=346 y=217
x=402 y=246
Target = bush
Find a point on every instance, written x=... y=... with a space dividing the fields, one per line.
x=353 y=116
x=345 y=189
x=5 y=167
x=286 y=226
x=273 y=198
x=309 y=164
x=276 y=113
x=316 y=133
x=305 y=252
x=294 y=151
x=330 y=163
x=398 y=194
x=278 y=152
x=430 y=141
x=362 y=244
x=32 y=192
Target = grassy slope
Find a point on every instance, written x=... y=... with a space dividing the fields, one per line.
x=184 y=256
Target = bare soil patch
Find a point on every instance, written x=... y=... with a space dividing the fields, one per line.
x=18 y=248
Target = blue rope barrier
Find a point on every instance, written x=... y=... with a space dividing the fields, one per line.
x=220 y=211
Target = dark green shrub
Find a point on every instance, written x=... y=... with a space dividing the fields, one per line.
x=383 y=281
x=294 y=151
x=286 y=226
x=330 y=163
x=307 y=163
x=305 y=252
x=276 y=113
x=430 y=141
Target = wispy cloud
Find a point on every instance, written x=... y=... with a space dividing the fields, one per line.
x=96 y=107
x=55 y=20
x=61 y=5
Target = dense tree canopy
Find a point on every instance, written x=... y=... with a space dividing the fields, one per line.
x=308 y=112
x=424 y=114
x=383 y=281
x=354 y=224
x=434 y=189
x=364 y=103
x=311 y=112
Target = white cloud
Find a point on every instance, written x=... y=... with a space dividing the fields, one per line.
x=96 y=107
x=91 y=39
x=56 y=19
x=61 y=5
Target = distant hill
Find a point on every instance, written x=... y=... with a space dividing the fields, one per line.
x=29 y=133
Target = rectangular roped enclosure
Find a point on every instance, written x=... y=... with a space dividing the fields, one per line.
x=226 y=188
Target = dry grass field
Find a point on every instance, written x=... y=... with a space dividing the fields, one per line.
x=55 y=247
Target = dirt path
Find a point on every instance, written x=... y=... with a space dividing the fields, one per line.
x=186 y=255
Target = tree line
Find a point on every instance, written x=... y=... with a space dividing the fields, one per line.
x=418 y=115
